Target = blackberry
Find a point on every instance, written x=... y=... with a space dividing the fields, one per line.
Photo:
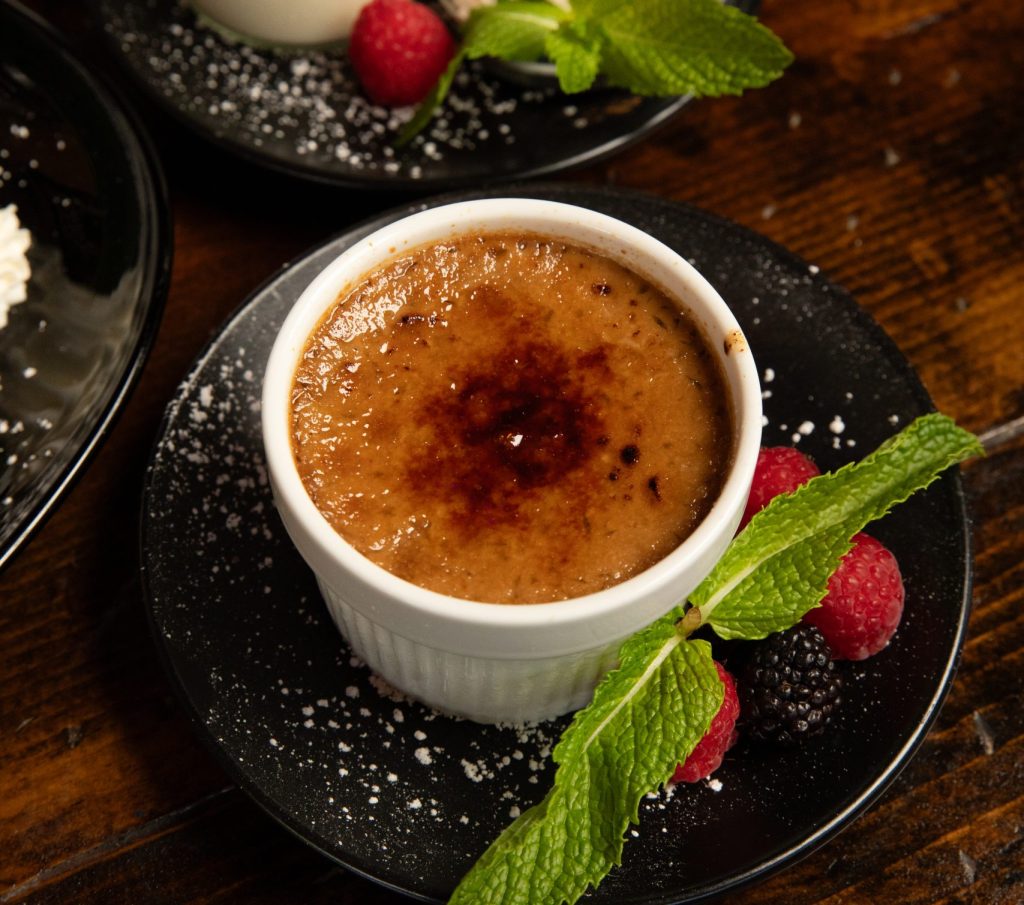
x=791 y=688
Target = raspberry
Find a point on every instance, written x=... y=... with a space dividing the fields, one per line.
x=720 y=737
x=779 y=469
x=399 y=49
x=790 y=687
x=864 y=603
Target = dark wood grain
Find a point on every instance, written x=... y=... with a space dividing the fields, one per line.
x=890 y=155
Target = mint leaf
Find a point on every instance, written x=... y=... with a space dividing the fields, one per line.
x=700 y=47
x=650 y=713
x=596 y=9
x=650 y=47
x=645 y=717
x=513 y=30
x=778 y=567
x=577 y=58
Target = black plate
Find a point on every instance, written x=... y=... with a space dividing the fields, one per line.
x=89 y=189
x=305 y=730
x=305 y=115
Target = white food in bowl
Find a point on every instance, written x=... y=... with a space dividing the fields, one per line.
x=302 y=23
x=14 y=267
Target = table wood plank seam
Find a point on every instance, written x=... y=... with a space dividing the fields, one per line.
x=113 y=845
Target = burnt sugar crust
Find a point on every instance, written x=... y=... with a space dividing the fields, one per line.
x=509 y=418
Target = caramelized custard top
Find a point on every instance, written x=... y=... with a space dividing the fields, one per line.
x=507 y=418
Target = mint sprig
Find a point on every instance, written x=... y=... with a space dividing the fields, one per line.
x=778 y=568
x=649 y=47
x=648 y=715
x=645 y=717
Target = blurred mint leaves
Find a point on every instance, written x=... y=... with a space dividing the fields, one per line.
x=648 y=47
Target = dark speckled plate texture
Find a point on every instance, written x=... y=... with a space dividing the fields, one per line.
x=409 y=797
x=303 y=112
x=89 y=189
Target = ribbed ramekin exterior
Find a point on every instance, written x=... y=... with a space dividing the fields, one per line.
x=487 y=661
x=478 y=688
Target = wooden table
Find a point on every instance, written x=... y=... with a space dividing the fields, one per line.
x=890 y=155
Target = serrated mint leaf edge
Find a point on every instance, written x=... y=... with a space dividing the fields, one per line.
x=536 y=20
x=739 y=619
x=653 y=62
x=633 y=652
x=577 y=62
x=493 y=879
x=772 y=529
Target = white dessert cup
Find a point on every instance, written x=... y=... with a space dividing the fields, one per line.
x=485 y=661
x=282 y=23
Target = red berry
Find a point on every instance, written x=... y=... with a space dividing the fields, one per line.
x=399 y=49
x=864 y=603
x=779 y=469
x=720 y=737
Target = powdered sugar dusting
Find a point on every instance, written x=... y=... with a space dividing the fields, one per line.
x=311 y=102
x=359 y=750
x=306 y=110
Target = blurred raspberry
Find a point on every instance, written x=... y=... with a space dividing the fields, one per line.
x=399 y=49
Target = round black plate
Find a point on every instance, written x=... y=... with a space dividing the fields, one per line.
x=410 y=798
x=304 y=114
x=89 y=189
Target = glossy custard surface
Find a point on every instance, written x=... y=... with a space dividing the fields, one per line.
x=508 y=418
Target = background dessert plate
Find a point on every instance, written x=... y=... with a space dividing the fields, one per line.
x=304 y=114
x=409 y=797
x=88 y=187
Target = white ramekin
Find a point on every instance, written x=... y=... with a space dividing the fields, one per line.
x=499 y=662
x=300 y=23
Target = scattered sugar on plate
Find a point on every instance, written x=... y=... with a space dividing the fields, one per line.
x=805 y=429
x=308 y=107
